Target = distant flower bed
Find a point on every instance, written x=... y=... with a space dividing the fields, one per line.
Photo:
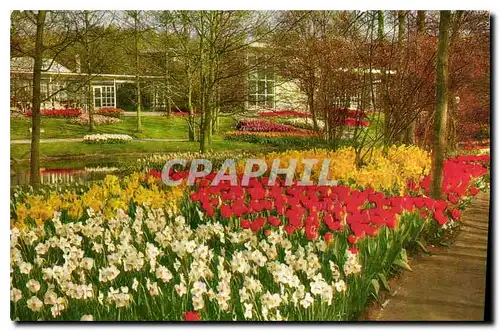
x=283 y=139
x=107 y=138
x=302 y=133
x=349 y=112
x=473 y=145
x=61 y=171
x=356 y=122
x=57 y=112
x=253 y=125
x=304 y=123
x=179 y=112
x=98 y=120
x=284 y=113
x=113 y=112
x=307 y=123
x=101 y=169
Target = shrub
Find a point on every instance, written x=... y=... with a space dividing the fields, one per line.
x=113 y=112
x=98 y=120
x=57 y=112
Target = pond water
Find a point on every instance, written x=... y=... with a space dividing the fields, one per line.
x=60 y=176
x=63 y=171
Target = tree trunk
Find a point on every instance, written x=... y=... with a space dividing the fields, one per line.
x=439 y=132
x=37 y=100
x=189 y=81
x=380 y=25
x=191 y=123
x=410 y=131
x=401 y=34
x=310 y=104
x=167 y=86
x=137 y=76
x=90 y=103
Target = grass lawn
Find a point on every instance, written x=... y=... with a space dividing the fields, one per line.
x=152 y=127
x=75 y=149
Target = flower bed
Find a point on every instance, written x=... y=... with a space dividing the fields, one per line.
x=113 y=112
x=356 y=122
x=304 y=123
x=106 y=138
x=57 y=112
x=388 y=173
x=297 y=139
x=120 y=251
x=284 y=113
x=307 y=123
x=97 y=119
x=253 y=125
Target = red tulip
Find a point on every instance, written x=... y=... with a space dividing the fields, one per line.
x=352 y=239
x=353 y=250
x=192 y=316
x=474 y=190
x=245 y=224
x=328 y=237
x=226 y=211
x=274 y=221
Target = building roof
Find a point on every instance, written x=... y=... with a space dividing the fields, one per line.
x=26 y=64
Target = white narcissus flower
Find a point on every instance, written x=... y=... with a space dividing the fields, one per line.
x=100 y=298
x=33 y=285
x=340 y=286
x=60 y=305
x=180 y=289
x=335 y=270
x=164 y=274
x=271 y=300
x=15 y=295
x=135 y=284
x=87 y=263
x=152 y=287
x=25 y=268
x=34 y=304
x=108 y=274
x=248 y=310
x=177 y=264
x=87 y=318
x=50 y=298
x=307 y=301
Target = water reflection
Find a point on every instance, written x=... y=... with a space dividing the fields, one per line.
x=61 y=176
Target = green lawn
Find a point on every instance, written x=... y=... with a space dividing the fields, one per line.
x=75 y=149
x=152 y=127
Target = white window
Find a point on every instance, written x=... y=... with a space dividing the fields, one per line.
x=57 y=90
x=261 y=84
x=104 y=97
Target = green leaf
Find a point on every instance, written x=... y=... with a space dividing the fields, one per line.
x=382 y=278
x=423 y=248
x=403 y=264
x=376 y=286
x=403 y=255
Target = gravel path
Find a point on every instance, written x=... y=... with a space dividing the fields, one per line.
x=450 y=284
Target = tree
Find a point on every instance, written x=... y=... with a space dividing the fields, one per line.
x=222 y=43
x=409 y=138
x=134 y=14
x=35 y=115
x=91 y=36
x=439 y=132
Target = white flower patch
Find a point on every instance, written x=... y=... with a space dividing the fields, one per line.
x=106 y=138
